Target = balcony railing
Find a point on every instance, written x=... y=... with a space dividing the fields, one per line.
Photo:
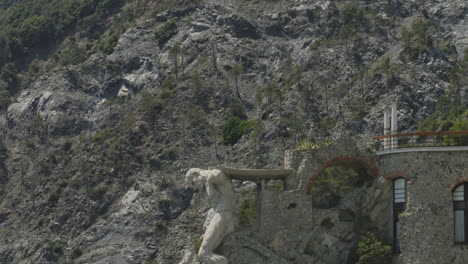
x=420 y=139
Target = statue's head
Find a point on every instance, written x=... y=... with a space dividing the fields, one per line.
x=194 y=180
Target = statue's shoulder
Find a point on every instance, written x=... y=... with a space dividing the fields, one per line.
x=212 y=172
x=217 y=172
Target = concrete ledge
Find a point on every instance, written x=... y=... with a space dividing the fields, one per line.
x=255 y=174
x=421 y=149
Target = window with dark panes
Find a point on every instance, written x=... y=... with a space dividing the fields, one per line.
x=399 y=205
x=460 y=213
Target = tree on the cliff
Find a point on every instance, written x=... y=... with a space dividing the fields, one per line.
x=236 y=70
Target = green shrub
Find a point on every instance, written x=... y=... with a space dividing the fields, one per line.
x=353 y=14
x=62 y=184
x=336 y=179
x=273 y=92
x=102 y=135
x=90 y=26
x=113 y=67
x=165 y=32
x=37 y=123
x=201 y=91
x=73 y=55
x=76 y=252
x=55 y=248
x=76 y=182
x=247 y=212
x=333 y=183
x=237 y=109
x=172 y=4
x=5 y=99
x=67 y=145
x=195 y=118
x=276 y=186
x=46 y=167
x=150 y=104
x=370 y=250
x=234 y=129
x=107 y=44
x=96 y=193
x=358 y=108
x=169 y=154
x=291 y=126
x=168 y=89
x=165 y=183
x=416 y=39
x=460 y=125
x=53 y=199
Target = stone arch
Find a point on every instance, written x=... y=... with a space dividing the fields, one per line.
x=457 y=182
x=371 y=169
x=395 y=174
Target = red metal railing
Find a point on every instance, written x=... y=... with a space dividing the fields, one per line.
x=421 y=139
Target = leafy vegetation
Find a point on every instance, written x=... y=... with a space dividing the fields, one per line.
x=76 y=252
x=169 y=154
x=273 y=92
x=172 y=4
x=30 y=24
x=451 y=114
x=234 y=129
x=370 y=250
x=165 y=32
x=358 y=108
x=291 y=126
x=235 y=71
x=55 y=248
x=164 y=183
x=275 y=186
x=332 y=183
x=416 y=39
x=152 y=105
x=108 y=43
x=96 y=193
x=53 y=199
x=73 y=55
x=305 y=145
x=200 y=91
x=247 y=211
x=102 y=135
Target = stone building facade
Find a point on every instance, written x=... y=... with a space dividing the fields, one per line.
x=427 y=224
x=293 y=226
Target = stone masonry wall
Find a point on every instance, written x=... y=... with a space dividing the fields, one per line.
x=427 y=232
x=291 y=230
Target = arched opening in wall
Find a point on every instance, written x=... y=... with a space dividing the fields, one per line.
x=339 y=177
x=336 y=183
x=345 y=206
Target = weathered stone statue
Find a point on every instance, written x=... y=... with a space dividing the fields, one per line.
x=220 y=219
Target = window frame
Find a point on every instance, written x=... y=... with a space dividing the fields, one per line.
x=461 y=206
x=398 y=208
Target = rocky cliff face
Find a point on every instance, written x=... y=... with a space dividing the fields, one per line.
x=94 y=154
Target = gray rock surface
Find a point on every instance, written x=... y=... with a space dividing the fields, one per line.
x=94 y=154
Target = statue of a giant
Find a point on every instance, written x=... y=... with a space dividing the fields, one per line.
x=220 y=219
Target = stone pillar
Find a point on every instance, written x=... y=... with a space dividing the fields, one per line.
x=290 y=182
x=386 y=142
x=394 y=125
x=288 y=159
